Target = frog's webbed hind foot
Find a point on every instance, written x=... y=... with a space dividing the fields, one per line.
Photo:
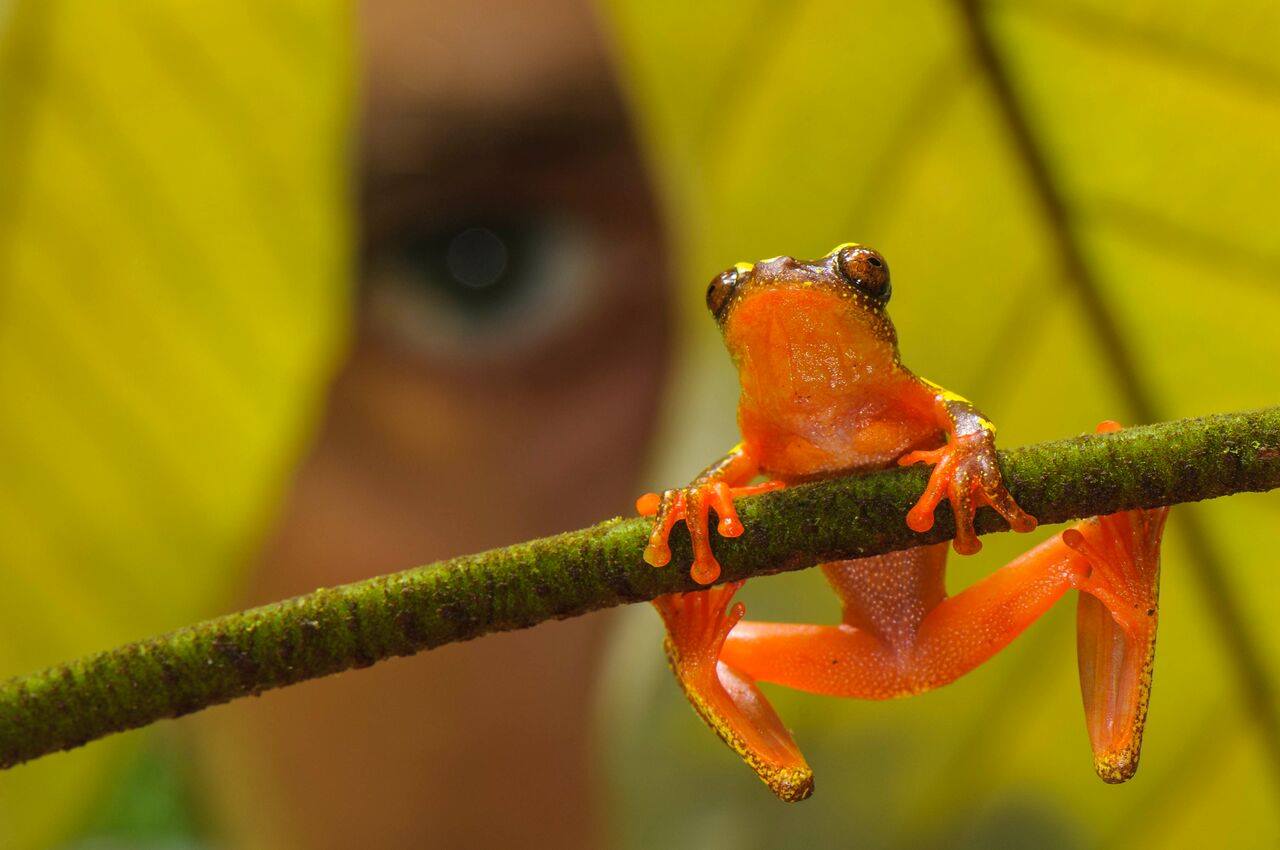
x=727 y=699
x=1116 y=630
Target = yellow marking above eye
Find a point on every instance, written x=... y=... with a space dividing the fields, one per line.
x=842 y=246
x=743 y=268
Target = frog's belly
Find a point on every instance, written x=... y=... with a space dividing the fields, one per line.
x=813 y=447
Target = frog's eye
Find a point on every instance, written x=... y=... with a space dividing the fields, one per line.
x=865 y=270
x=720 y=290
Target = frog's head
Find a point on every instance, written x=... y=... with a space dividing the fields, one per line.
x=850 y=272
x=794 y=313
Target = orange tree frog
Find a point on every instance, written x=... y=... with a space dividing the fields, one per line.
x=823 y=392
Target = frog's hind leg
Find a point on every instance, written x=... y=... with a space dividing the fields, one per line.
x=1116 y=629
x=726 y=698
x=901 y=634
x=883 y=600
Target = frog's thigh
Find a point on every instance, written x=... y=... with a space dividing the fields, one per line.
x=962 y=632
x=900 y=634
x=832 y=660
x=883 y=601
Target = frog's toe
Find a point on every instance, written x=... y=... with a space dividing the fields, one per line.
x=1002 y=501
x=963 y=507
x=721 y=497
x=993 y=492
x=920 y=517
x=666 y=510
x=648 y=504
x=699 y=501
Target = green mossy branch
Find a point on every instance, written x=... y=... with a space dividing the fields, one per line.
x=355 y=625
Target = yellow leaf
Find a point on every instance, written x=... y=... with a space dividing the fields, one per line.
x=782 y=128
x=173 y=252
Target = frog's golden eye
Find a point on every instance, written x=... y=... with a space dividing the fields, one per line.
x=866 y=271
x=720 y=290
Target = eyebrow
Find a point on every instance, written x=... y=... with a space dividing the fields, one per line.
x=429 y=142
x=446 y=158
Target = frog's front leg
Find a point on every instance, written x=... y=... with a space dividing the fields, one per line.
x=965 y=471
x=715 y=488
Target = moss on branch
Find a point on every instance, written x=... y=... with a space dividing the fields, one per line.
x=355 y=625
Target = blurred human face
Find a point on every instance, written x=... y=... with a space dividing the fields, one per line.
x=511 y=338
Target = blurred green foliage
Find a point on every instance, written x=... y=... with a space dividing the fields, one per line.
x=780 y=128
x=153 y=803
x=174 y=253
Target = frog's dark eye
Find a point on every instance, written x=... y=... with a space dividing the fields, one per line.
x=865 y=270
x=720 y=290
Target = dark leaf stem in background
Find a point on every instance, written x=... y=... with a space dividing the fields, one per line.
x=355 y=625
x=1207 y=564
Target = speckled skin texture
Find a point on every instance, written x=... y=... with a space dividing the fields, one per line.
x=824 y=392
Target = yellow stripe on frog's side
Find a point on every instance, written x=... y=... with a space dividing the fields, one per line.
x=947 y=395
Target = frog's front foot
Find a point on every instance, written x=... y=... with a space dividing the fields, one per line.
x=694 y=504
x=966 y=472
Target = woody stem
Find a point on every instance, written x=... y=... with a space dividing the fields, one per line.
x=355 y=625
